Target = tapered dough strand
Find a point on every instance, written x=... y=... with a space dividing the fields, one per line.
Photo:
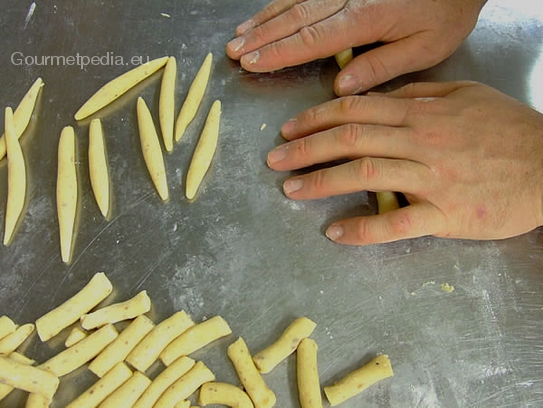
x=94 y=395
x=7 y=326
x=16 y=177
x=386 y=201
x=119 y=348
x=148 y=350
x=249 y=375
x=307 y=373
x=66 y=191
x=166 y=107
x=183 y=404
x=96 y=290
x=344 y=57
x=98 y=167
x=23 y=113
x=139 y=304
x=118 y=86
x=13 y=340
x=205 y=149
x=152 y=152
x=354 y=383
x=223 y=394
x=128 y=393
x=185 y=386
x=74 y=357
x=76 y=335
x=268 y=358
x=163 y=381
x=194 y=97
x=195 y=338
x=27 y=378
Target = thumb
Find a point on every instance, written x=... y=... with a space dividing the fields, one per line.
x=384 y=63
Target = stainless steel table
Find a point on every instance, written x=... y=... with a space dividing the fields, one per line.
x=243 y=250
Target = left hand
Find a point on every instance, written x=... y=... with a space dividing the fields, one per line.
x=468 y=158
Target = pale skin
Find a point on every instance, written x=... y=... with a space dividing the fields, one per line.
x=468 y=158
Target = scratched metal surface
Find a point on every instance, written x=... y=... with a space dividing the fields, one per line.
x=243 y=250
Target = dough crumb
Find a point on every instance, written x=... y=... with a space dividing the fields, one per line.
x=445 y=287
x=263 y=126
x=165 y=15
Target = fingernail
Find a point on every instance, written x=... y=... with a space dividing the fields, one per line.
x=277 y=154
x=334 y=232
x=244 y=27
x=288 y=127
x=236 y=43
x=291 y=186
x=251 y=58
x=348 y=85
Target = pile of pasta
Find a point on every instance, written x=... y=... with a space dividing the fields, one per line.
x=121 y=360
x=67 y=181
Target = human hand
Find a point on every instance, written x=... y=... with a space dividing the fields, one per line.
x=468 y=158
x=416 y=34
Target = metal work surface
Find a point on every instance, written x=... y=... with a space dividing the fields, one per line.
x=243 y=250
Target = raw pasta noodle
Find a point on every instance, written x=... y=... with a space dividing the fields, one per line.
x=127 y=394
x=309 y=389
x=224 y=394
x=195 y=338
x=15 y=339
x=7 y=326
x=268 y=358
x=77 y=334
x=27 y=378
x=96 y=290
x=354 y=383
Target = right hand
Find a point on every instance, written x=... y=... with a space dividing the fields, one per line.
x=415 y=34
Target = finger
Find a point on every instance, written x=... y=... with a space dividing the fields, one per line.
x=351 y=109
x=270 y=11
x=346 y=141
x=300 y=15
x=368 y=173
x=429 y=89
x=408 y=222
x=320 y=40
x=386 y=62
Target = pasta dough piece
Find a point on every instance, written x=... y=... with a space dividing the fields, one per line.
x=267 y=359
x=152 y=152
x=96 y=290
x=66 y=191
x=139 y=304
x=37 y=401
x=309 y=389
x=166 y=109
x=183 y=404
x=127 y=394
x=205 y=150
x=98 y=167
x=354 y=383
x=185 y=386
x=16 y=178
x=249 y=376
x=195 y=338
x=194 y=97
x=163 y=381
x=7 y=326
x=27 y=378
x=93 y=396
x=148 y=350
x=74 y=357
x=77 y=334
x=5 y=389
x=9 y=343
x=224 y=394
x=118 y=86
x=344 y=57
x=23 y=113
x=119 y=348
x=386 y=201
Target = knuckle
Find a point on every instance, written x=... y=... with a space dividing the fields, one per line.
x=303 y=147
x=351 y=103
x=377 y=69
x=299 y=13
x=363 y=232
x=310 y=36
x=401 y=224
x=318 y=180
x=366 y=169
x=349 y=135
